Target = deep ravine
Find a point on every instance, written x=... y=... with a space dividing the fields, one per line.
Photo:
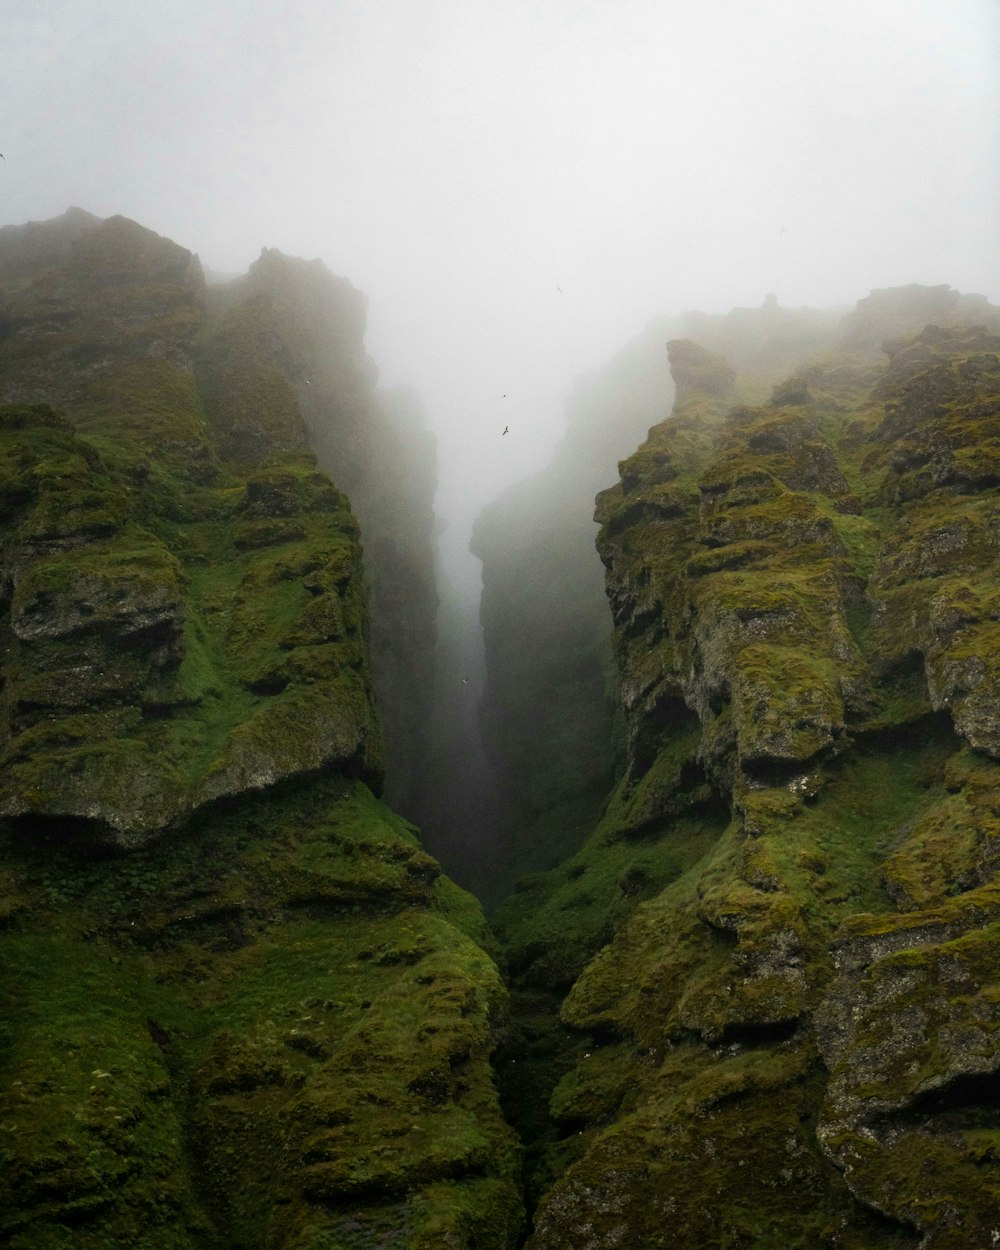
x=733 y=809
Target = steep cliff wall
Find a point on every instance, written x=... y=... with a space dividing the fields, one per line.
x=547 y=713
x=775 y=959
x=293 y=333
x=239 y=1006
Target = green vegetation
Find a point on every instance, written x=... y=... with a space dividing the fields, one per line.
x=239 y=1007
x=188 y=663
x=226 y=1038
x=759 y=1003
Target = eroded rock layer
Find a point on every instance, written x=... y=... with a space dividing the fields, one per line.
x=775 y=961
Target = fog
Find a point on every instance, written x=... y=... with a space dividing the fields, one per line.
x=518 y=187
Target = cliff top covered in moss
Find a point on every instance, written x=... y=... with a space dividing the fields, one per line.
x=184 y=623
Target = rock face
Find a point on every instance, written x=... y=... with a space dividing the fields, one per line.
x=170 y=626
x=292 y=333
x=774 y=961
x=548 y=715
x=239 y=1005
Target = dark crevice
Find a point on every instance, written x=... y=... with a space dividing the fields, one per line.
x=923 y=730
x=965 y=1103
x=759 y=1034
x=669 y=717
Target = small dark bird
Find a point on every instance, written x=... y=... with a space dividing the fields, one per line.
x=2 y=157
x=559 y=289
x=506 y=429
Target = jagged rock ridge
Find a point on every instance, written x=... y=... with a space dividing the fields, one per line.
x=554 y=756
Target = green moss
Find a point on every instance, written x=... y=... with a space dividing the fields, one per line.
x=92 y=1137
x=718 y=1153
x=285 y=1017
x=833 y=589
x=250 y=402
x=151 y=402
x=195 y=666
x=274 y=1025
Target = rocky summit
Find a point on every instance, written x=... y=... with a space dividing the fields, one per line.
x=741 y=987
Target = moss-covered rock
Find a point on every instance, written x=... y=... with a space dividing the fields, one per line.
x=239 y=1005
x=550 y=727
x=773 y=961
x=281 y=365
x=164 y=664
x=273 y=1029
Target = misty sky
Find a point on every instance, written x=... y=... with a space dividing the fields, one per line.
x=461 y=160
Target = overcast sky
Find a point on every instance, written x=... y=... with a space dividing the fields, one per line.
x=460 y=161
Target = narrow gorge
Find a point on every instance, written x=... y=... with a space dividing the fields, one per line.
x=730 y=799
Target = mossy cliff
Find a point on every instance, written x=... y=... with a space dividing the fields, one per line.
x=548 y=710
x=775 y=961
x=283 y=359
x=239 y=1006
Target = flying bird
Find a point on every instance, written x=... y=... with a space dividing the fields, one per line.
x=506 y=429
x=559 y=289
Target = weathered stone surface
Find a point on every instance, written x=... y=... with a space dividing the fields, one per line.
x=111 y=544
x=780 y=939
x=239 y=1004
x=284 y=365
x=909 y=1033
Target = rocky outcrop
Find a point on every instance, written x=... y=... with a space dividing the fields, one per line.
x=171 y=625
x=773 y=956
x=240 y=1005
x=113 y=326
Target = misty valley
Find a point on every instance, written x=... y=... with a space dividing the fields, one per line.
x=648 y=899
